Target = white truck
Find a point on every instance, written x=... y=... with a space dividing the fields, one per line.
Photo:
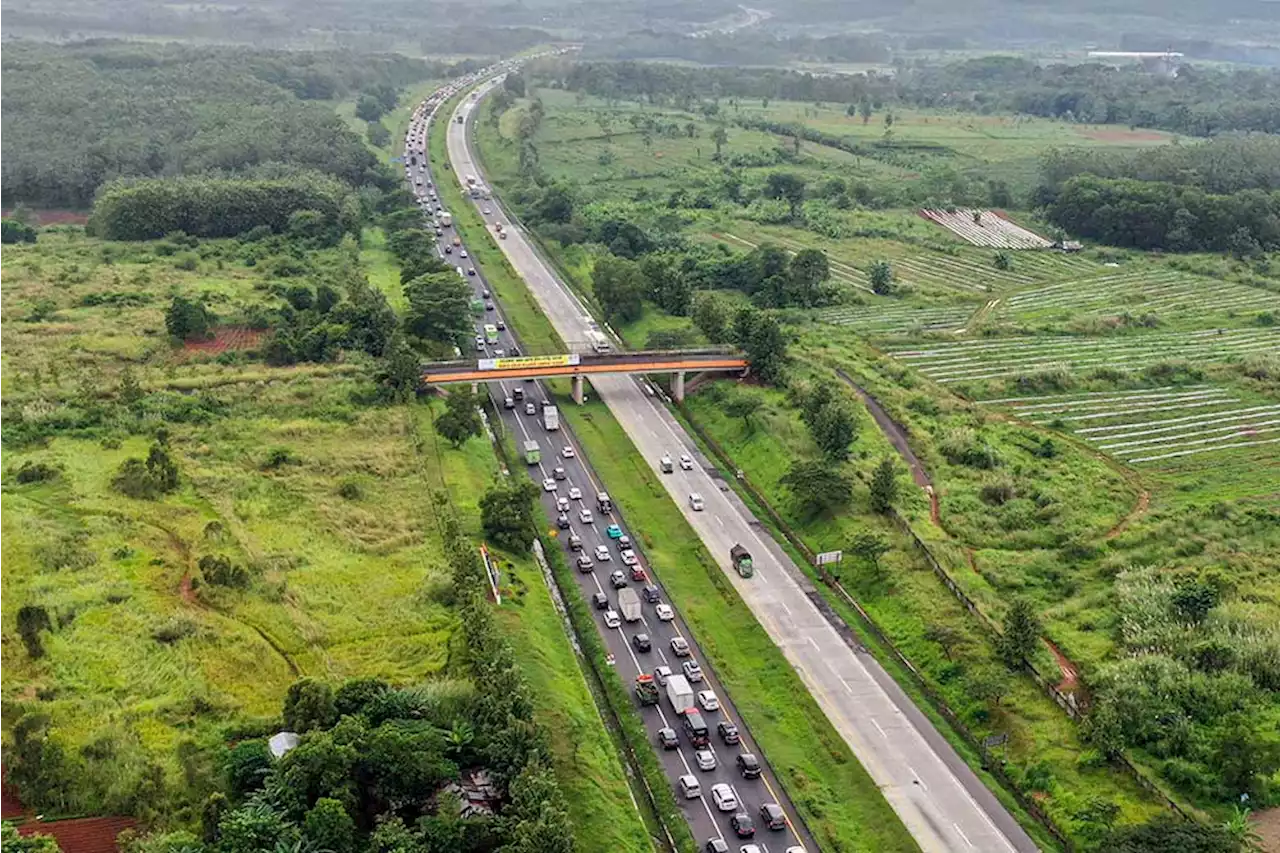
x=629 y=604
x=446 y=219
x=551 y=418
x=680 y=693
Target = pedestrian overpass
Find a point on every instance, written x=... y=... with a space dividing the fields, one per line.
x=581 y=365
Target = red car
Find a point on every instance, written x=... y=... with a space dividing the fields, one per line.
x=638 y=574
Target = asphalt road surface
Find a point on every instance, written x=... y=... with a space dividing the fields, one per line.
x=704 y=818
x=940 y=800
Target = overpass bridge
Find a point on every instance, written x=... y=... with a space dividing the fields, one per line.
x=580 y=365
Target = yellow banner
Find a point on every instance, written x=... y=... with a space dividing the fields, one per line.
x=529 y=362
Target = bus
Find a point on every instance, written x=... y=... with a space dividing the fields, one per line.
x=490 y=333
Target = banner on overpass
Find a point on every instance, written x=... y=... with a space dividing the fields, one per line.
x=529 y=362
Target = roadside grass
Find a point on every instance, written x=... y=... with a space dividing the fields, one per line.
x=838 y=800
x=381 y=268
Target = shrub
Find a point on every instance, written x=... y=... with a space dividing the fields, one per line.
x=147 y=479
x=220 y=571
x=278 y=457
x=965 y=447
x=36 y=472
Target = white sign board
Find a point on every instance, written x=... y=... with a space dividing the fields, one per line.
x=829 y=557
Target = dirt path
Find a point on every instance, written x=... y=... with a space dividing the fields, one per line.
x=1070 y=675
x=1144 y=501
x=1267 y=825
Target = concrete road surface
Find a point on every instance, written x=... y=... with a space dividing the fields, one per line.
x=939 y=799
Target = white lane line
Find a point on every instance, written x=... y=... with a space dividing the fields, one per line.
x=882 y=732
x=962 y=835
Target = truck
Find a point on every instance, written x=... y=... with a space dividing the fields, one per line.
x=741 y=558
x=679 y=693
x=551 y=418
x=446 y=219
x=471 y=180
x=532 y=453
x=629 y=604
x=477 y=306
x=646 y=689
x=490 y=334
x=603 y=503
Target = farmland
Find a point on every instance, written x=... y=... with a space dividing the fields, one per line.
x=1074 y=413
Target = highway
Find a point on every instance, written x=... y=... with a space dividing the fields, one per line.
x=939 y=799
x=577 y=485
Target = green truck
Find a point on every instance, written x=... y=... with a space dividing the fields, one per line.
x=532 y=453
x=646 y=689
x=477 y=307
x=741 y=558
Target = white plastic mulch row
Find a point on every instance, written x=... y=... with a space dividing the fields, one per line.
x=1132 y=428
x=1089 y=394
x=1230 y=446
x=1024 y=341
x=1164 y=441
x=1141 y=290
x=1086 y=405
x=990 y=230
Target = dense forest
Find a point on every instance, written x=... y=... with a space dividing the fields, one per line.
x=78 y=116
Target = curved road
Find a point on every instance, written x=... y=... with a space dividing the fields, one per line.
x=939 y=799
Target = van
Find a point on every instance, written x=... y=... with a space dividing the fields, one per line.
x=695 y=728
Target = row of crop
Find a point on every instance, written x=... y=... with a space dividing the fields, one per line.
x=1025 y=342
x=1104 y=400
x=984 y=228
x=901 y=319
x=1147 y=293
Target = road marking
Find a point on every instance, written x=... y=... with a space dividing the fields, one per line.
x=962 y=835
x=875 y=723
x=917 y=778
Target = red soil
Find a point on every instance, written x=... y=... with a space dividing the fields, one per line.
x=1070 y=675
x=57 y=217
x=78 y=835
x=226 y=338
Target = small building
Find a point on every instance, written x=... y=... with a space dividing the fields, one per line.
x=281 y=742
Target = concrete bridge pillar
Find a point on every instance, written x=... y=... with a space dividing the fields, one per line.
x=475 y=387
x=578 y=395
x=677 y=386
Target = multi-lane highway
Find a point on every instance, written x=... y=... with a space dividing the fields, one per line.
x=569 y=486
x=940 y=800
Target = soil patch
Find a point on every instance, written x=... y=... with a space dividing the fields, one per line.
x=1267 y=825
x=1144 y=501
x=227 y=338
x=1119 y=134
x=1070 y=675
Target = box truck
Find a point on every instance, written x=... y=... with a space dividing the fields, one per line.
x=629 y=604
x=679 y=693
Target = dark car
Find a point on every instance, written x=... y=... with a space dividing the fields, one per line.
x=488 y=306
x=772 y=817
x=502 y=325
x=585 y=564
x=575 y=542
x=641 y=642
x=749 y=765
x=729 y=733
x=651 y=594
x=717 y=845
x=600 y=600
x=742 y=825
x=562 y=521
x=448 y=250
x=667 y=738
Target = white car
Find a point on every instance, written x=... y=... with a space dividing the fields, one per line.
x=686 y=462
x=695 y=501
x=708 y=700
x=705 y=758
x=575 y=494
x=680 y=647
x=602 y=554
x=692 y=671
x=722 y=795
x=612 y=619
x=463 y=253
x=585 y=516
x=629 y=557
x=562 y=504
x=661 y=674
x=549 y=485
x=487 y=211
x=530 y=409
x=568 y=453
x=664 y=612
x=692 y=789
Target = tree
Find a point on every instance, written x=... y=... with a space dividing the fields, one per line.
x=816 y=486
x=1021 y=633
x=246 y=766
x=369 y=108
x=869 y=547
x=556 y=204
x=1169 y=834
x=326 y=298
x=720 y=137
x=1002 y=261
x=1243 y=758
x=460 y=419
x=309 y=705
x=12 y=231
x=666 y=284
x=760 y=336
x=833 y=429
x=399 y=374
x=187 y=319
x=944 y=635
x=880 y=274
x=150 y=478
x=987 y=683
x=619 y=287
x=32 y=619
x=327 y=826
x=864 y=109
x=439 y=309
x=13 y=842
x=786 y=186
x=744 y=404
x=368 y=317
x=254 y=828
x=215 y=806
x=377 y=134
x=356 y=693
x=507 y=514
x=807 y=271
x=711 y=314
x=884 y=487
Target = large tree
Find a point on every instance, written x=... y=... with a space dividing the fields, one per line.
x=439 y=308
x=808 y=272
x=619 y=287
x=460 y=419
x=788 y=187
x=816 y=486
x=507 y=514
x=760 y=335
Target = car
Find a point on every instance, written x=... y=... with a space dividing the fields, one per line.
x=479 y=342
x=530 y=409
x=618 y=579
x=502 y=325
x=600 y=600
x=795 y=848
x=549 y=485
x=584 y=515
x=487 y=211
x=665 y=464
x=729 y=733
x=439 y=232
x=695 y=501
x=558 y=473
x=463 y=253
x=686 y=462
x=690 y=787
x=641 y=642
x=724 y=798
x=448 y=250
x=499 y=352
x=628 y=557
x=742 y=825
x=508 y=403
x=639 y=575
x=705 y=759
x=752 y=848
x=772 y=817
x=667 y=738
x=692 y=671
x=664 y=612
x=651 y=594
x=716 y=845
x=471 y=270
x=603 y=555
x=575 y=494
x=661 y=674
x=612 y=619
x=584 y=563
x=614 y=531
x=624 y=541
x=708 y=700
x=562 y=521
x=562 y=504
x=567 y=452
x=485 y=292
x=749 y=766
x=680 y=647
x=575 y=542
x=488 y=306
